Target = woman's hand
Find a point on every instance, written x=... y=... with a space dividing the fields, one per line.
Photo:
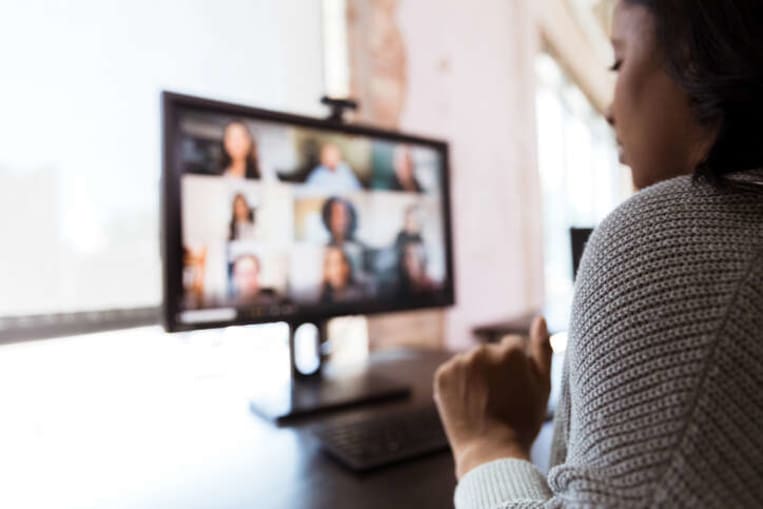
x=492 y=400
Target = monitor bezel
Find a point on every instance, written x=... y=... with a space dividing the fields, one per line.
x=171 y=217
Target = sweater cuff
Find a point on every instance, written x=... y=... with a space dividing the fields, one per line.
x=501 y=481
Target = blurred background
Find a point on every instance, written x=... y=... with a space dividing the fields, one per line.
x=517 y=87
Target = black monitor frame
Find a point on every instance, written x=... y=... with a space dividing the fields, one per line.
x=171 y=228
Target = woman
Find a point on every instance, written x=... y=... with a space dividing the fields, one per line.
x=340 y=219
x=662 y=392
x=413 y=278
x=404 y=178
x=411 y=231
x=241 y=226
x=339 y=284
x=239 y=152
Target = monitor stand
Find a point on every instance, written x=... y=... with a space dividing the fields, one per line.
x=316 y=388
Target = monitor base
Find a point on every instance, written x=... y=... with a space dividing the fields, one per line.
x=329 y=391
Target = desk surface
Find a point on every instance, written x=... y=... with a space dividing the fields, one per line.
x=142 y=419
x=306 y=477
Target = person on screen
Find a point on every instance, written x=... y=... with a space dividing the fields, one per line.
x=239 y=150
x=241 y=226
x=333 y=174
x=414 y=279
x=411 y=231
x=404 y=178
x=339 y=284
x=341 y=220
x=246 y=282
x=194 y=273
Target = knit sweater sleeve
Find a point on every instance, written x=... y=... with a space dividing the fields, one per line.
x=664 y=394
x=512 y=483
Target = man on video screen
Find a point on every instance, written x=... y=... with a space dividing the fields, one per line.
x=333 y=174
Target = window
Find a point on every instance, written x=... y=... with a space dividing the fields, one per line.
x=80 y=137
x=581 y=178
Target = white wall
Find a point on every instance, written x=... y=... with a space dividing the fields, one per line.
x=471 y=81
x=79 y=96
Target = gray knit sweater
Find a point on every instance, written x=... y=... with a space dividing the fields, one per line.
x=662 y=394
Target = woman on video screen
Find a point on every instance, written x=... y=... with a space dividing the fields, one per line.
x=341 y=221
x=411 y=231
x=239 y=152
x=339 y=284
x=404 y=178
x=241 y=226
x=413 y=276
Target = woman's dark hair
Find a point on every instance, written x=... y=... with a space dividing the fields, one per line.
x=352 y=225
x=714 y=51
x=232 y=234
x=252 y=161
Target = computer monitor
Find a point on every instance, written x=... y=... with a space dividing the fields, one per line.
x=274 y=217
x=578 y=240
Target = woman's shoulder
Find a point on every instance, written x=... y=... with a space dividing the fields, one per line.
x=687 y=207
x=680 y=227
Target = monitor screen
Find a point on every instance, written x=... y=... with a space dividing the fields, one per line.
x=275 y=217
